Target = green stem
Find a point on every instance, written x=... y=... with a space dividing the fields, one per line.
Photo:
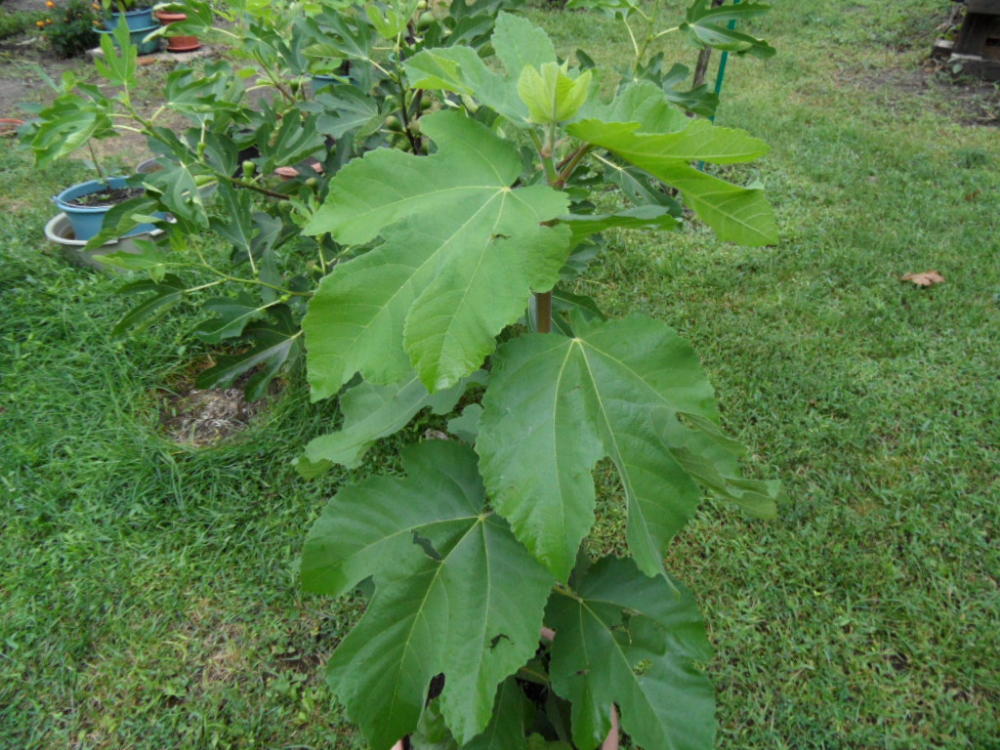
x=97 y=166
x=157 y=113
x=667 y=31
x=550 y=170
x=650 y=35
x=414 y=141
x=322 y=255
x=209 y=285
x=273 y=80
x=249 y=186
x=569 y=165
x=254 y=282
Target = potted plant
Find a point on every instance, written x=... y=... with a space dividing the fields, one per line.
x=73 y=121
x=86 y=205
x=168 y=15
x=139 y=21
x=59 y=231
x=136 y=14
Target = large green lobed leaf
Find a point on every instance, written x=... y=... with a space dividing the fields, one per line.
x=734 y=213
x=462 y=253
x=556 y=405
x=456 y=594
x=633 y=641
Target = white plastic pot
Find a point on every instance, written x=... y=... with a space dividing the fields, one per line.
x=59 y=231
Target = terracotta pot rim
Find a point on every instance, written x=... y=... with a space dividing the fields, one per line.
x=9 y=126
x=167 y=17
x=183 y=43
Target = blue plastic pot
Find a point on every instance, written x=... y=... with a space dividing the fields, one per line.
x=87 y=221
x=137 y=36
x=135 y=19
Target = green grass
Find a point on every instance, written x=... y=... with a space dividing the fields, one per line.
x=147 y=593
x=13 y=23
x=867 y=615
x=148 y=590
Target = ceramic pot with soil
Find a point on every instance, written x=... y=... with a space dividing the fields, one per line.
x=87 y=204
x=177 y=43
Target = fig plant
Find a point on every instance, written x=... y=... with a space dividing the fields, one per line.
x=453 y=184
x=482 y=544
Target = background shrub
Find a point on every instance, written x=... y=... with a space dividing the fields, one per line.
x=70 y=27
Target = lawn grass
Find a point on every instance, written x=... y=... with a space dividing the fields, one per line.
x=147 y=593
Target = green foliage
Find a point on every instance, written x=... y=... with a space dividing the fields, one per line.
x=492 y=238
x=709 y=27
x=736 y=214
x=449 y=249
x=173 y=621
x=704 y=26
x=556 y=405
x=431 y=235
x=633 y=641
x=551 y=95
x=455 y=594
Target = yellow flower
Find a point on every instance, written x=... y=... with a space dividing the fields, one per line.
x=40 y=24
x=50 y=4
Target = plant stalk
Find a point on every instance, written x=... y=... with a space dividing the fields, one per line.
x=543 y=312
x=97 y=166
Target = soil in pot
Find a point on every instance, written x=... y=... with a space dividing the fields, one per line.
x=106 y=197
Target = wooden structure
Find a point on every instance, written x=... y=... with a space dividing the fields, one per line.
x=977 y=48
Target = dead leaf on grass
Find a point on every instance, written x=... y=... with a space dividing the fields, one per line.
x=927 y=278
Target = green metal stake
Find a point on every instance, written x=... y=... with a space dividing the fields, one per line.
x=722 y=62
x=722 y=74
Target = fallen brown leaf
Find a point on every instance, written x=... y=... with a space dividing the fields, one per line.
x=927 y=278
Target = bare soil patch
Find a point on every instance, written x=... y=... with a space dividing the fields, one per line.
x=966 y=101
x=19 y=79
x=205 y=417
